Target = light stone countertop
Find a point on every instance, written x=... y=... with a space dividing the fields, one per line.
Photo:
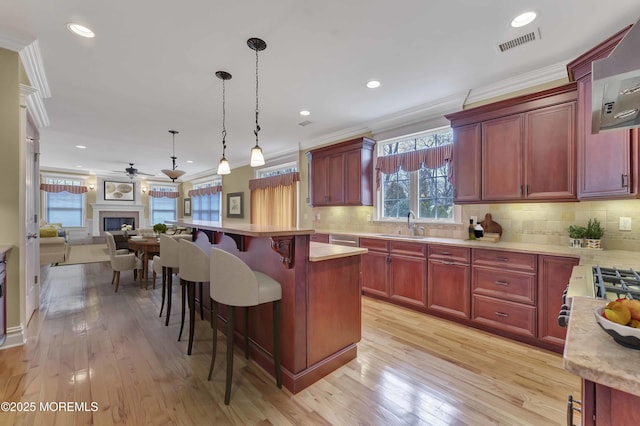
x=592 y=354
x=321 y=251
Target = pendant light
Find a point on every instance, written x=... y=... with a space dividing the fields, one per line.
x=223 y=167
x=257 y=159
x=173 y=173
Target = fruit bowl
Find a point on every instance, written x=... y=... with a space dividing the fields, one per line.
x=626 y=336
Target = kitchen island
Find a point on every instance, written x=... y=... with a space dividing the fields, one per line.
x=321 y=307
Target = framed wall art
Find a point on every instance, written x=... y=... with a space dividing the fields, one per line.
x=187 y=207
x=118 y=191
x=235 y=205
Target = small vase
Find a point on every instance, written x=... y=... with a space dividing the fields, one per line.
x=576 y=242
x=593 y=244
x=125 y=234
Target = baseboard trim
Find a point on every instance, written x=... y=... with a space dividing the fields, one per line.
x=16 y=336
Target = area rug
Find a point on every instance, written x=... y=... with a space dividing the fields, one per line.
x=86 y=253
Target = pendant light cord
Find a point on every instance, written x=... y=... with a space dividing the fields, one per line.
x=224 y=114
x=255 y=132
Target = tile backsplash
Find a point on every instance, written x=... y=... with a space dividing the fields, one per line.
x=540 y=223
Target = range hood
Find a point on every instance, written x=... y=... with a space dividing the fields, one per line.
x=615 y=90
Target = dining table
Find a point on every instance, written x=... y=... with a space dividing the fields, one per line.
x=147 y=246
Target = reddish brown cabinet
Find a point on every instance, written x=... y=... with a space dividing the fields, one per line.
x=553 y=277
x=342 y=174
x=468 y=158
x=395 y=271
x=504 y=291
x=605 y=406
x=527 y=146
x=319 y=238
x=608 y=161
x=448 y=285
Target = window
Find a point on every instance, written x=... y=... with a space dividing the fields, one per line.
x=206 y=207
x=163 y=208
x=427 y=191
x=280 y=169
x=274 y=194
x=64 y=207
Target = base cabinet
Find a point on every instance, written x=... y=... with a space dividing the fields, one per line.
x=605 y=406
x=448 y=285
x=395 y=271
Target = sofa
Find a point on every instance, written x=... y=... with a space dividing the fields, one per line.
x=53 y=244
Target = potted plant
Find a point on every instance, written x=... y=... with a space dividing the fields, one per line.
x=159 y=228
x=594 y=233
x=577 y=234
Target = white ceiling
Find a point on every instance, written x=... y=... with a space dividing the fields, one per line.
x=151 y=68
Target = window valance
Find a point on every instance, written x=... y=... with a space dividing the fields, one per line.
x=210 y=190
x=284 y=179
x=164 y=194
x=431 y=158
x=73 y=189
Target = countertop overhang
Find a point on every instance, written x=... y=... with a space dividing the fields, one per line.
x=245 y=229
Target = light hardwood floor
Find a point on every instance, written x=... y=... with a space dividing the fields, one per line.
x=89 y=344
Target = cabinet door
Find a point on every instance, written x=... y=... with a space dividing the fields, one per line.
x=374 y=273
x=502 y=158
x=604 y=159
x=335 y=179
x=448 y=288
x=408 y=279
x=319 y=170
x=466 y=163
x=550 y=152
x=553 y=276
x=353 y=175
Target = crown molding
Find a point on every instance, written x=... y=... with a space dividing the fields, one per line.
x=339 y=135
x=544 y=75
x=35 y=106
x=14 y=42
x=33 y=66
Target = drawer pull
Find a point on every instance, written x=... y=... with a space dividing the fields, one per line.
x=445 y=253
x=502 y=314
x=502 y=283
x=502 y=259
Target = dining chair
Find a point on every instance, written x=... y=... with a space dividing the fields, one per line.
x=234 y=284
x=121 y=261
x=194 y=268
x=170 y=263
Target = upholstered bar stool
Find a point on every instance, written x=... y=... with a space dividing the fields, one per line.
x=194 y=268
x=170 y=263
x=234 y=284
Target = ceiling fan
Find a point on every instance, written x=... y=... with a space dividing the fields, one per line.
x=132 y=172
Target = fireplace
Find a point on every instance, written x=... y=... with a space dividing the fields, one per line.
x=115 y=223
x=104 y=213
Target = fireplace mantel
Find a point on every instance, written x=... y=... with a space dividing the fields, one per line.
x=98 y=208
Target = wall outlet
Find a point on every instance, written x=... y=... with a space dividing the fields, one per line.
x=625 y=224
x=317 y=216
x=368 y=218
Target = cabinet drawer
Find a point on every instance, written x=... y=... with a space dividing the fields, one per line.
x=504 y=259
x=409 y=249
x=449 y=253
x=320 y=238
x=516 y=286
x=504 y=315
x=374 y=244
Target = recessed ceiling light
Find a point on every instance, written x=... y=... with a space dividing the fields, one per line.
x=373 y=84
x=190 y=161
x=304 y=112
x=81 y=147
x=80 y=30
x=79 y=166
x=523 y=19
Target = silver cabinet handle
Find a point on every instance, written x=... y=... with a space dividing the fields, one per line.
x=502 y=314
x=571 y=409
x=502 y=283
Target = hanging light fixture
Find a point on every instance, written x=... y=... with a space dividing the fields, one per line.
x=223 y=167
x=173 y=173
x=257 y=159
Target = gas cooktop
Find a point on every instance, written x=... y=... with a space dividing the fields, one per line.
x=613 y=283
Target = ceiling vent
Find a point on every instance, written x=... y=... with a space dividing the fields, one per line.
x=304 y=123
x=526 y=38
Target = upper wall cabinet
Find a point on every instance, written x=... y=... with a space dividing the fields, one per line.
x=342 y=174
x=517 y=149
x=607 y=161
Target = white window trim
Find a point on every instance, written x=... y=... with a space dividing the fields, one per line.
x=377 y=202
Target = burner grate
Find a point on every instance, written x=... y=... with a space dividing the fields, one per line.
x=614 y=281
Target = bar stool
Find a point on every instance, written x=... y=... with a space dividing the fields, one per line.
x=170 y=263
x=234 y=284
x=194 y=267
